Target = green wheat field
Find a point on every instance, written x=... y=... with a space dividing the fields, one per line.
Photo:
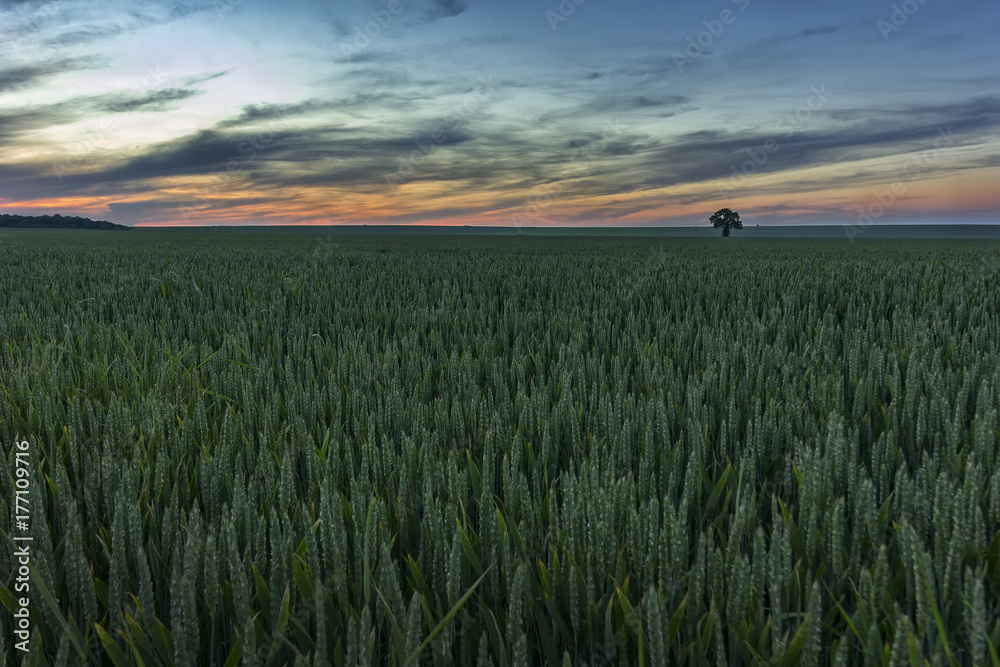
x=266 y=449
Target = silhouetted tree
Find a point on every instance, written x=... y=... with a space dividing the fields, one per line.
x=727 y=219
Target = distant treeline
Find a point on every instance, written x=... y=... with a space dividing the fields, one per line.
x=56 y=221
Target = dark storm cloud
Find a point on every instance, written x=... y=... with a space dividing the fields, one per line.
x=587 y=164
x=15 y=123
x=486 y=155
x=30 y=119
x=159 y=100
x=710 y=155
x=196 y=154
x=252 y=113
x=36 y=74
x=358 y=103
x=320 y=156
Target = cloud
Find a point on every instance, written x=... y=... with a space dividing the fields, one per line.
x=30 y=119
x=710 y=155
x=499 y=157
x=160 y=100
x=284 y=157
x=336 y=126
x=49 y=24
x=36 y=74
x=195 y=80
x=21 y=120
x=446 y=9
x=200 y=153
x=253 y=113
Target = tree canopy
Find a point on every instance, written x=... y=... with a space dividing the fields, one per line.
x=727 y=219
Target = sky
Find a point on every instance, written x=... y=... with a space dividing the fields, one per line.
x=489 y=112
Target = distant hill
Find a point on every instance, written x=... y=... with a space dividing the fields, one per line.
x=56 y=222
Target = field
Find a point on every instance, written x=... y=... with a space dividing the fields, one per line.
x=263 y=450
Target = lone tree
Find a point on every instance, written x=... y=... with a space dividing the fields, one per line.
x=727 y=219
